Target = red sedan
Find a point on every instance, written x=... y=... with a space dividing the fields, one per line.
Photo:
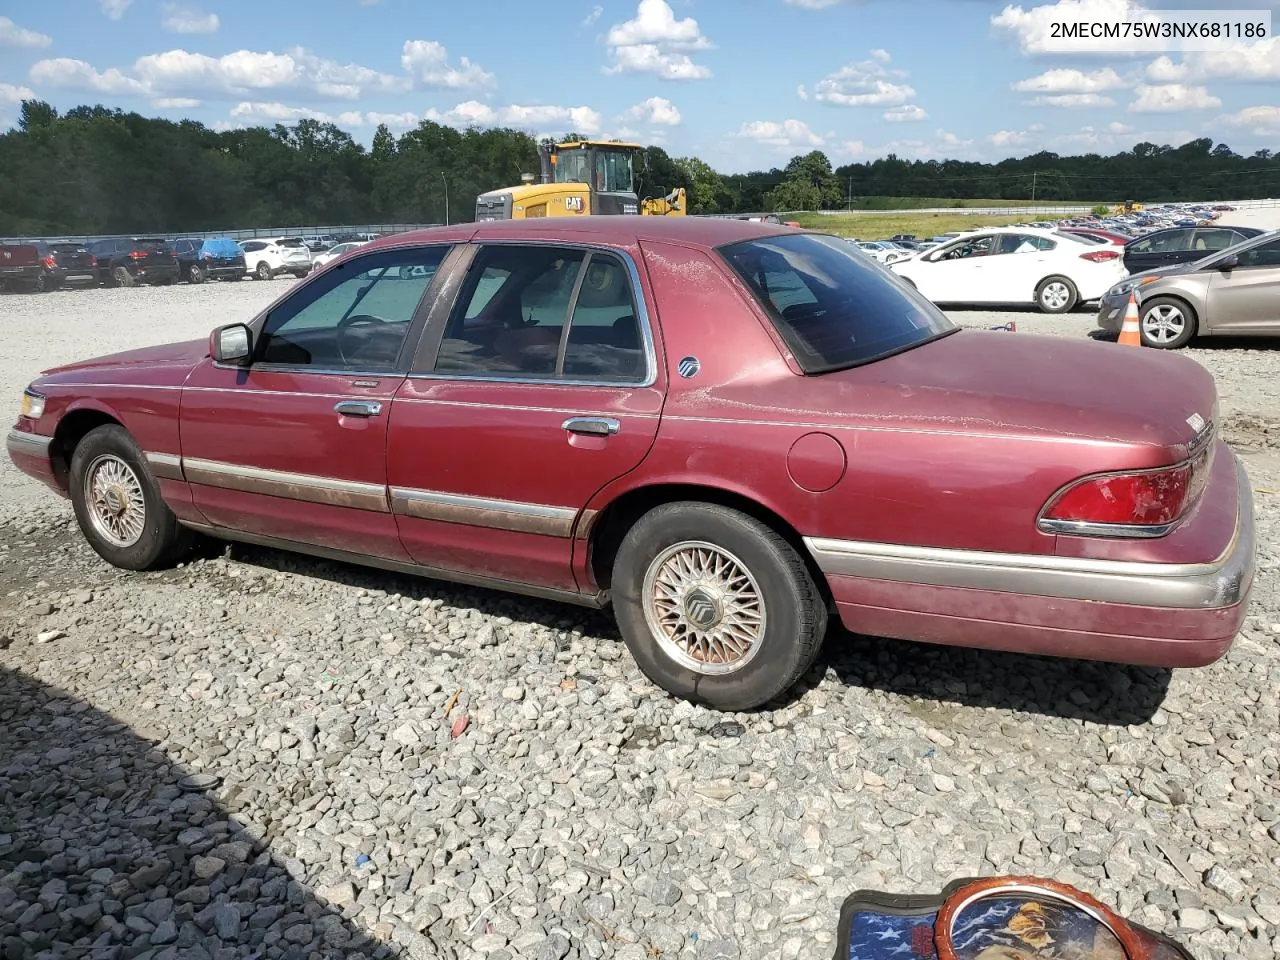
x=730 y=431
x=1103 y=236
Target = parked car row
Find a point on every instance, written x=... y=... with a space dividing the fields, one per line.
x=37 y=266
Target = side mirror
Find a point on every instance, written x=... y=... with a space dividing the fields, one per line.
x=1229 y=262
x=231 y=344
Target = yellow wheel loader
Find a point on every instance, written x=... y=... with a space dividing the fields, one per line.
x=580 y=178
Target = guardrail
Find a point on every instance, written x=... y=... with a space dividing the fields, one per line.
x=243 y=234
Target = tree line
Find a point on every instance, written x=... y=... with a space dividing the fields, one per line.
x=96 y=170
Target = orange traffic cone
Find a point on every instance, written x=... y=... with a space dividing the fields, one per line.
x=1131 y=333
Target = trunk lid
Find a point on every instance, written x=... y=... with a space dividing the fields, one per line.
x=72 y=257
x=14 y=256
x=153 y=251
x=1019 y=384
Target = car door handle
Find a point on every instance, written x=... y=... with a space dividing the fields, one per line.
x=357 y=408
x=592 y=426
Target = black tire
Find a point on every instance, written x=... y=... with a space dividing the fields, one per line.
x=1167 y=323
x=195 y=274
x=160 y=540
x=264 y=272
x=41 y=284
x=300 y=275
x=121 y=277
x=1056 y=295
x=794 y=612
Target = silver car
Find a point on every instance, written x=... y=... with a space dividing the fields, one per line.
x=1233 y=293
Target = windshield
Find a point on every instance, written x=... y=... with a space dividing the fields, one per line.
x=832 y=306
x=613 y=171
x=572 y=167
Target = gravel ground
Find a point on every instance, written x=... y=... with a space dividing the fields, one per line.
x=260 y=755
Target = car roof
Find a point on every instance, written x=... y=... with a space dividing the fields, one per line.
x=619 y=230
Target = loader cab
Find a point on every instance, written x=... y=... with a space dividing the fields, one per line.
x=608 y=169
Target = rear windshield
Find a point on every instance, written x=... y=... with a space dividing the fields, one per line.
x=152 y=243
x=290 y=242
x=833 y=305
x=67 y=247
x=221 y=247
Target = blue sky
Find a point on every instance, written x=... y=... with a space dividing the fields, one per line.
x=743 y=84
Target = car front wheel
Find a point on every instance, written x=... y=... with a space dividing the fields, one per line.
x=1056 y=295
x=716 y=607
x=264 y=271
x=195 y=274
x=118 y=504
x=1166 y=323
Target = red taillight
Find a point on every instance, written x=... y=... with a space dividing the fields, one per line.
x=93 y=261
x=1137 y=500
x=49 y=263
x=1099 y=256
x=138 y=255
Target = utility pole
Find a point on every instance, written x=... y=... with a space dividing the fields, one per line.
x=1033 y=186
x=850 y=191
x=446 y=198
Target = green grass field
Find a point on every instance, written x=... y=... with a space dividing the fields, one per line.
x=873 y=226
x=918 y=203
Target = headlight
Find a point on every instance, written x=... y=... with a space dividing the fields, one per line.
x=32 y=404
x=1126 y=287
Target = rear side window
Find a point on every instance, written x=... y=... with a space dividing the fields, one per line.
x=833 y=307
x=253 y=246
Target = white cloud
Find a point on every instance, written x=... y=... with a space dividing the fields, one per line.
x=944 y=146
x=395 y=121
x=1171 y=98
x=787 y=135
x=656 y=42
x=179 y=19
x=175 y=103
x=852 y=149
x=868 y=83
x=473 y=113
x=1011 y=138
x=428 y=63
x=657 y=110
x=593 y=16
x=1257 y=62
x=1115 y=126
x=67 y=74
x=247 y=74
x=1071 y=81
x=1032 y=29
x=911 y=113
x=114 y=9
x=256 y=112
x=10 y=93
x=820 y=4
x=12 y=35
x=1261 y=121
x=1071 y=100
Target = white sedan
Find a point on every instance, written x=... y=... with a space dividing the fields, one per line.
x=881 y=251
x=1052 y=270
x=333 y=253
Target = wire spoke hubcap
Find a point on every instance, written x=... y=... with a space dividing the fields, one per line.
x=113 y=494
x=704 y=608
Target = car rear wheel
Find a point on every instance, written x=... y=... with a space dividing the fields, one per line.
x=118 y=504
x=121 y=277
x=1056 y=295
x=195 y=274
x=1166 y=323
x=716 y=607
x=264 y=271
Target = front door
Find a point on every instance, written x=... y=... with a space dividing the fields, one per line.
x=956 y=273
x=537 y=389
x=1246 y=298
x=293 y=446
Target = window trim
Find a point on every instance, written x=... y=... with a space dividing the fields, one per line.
x=429 y=350
x=412 y=337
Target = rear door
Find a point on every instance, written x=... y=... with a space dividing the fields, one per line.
x=1158 y=249
x=534 y=388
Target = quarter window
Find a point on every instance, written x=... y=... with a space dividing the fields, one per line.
x=355 y=316
x=546 y=313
